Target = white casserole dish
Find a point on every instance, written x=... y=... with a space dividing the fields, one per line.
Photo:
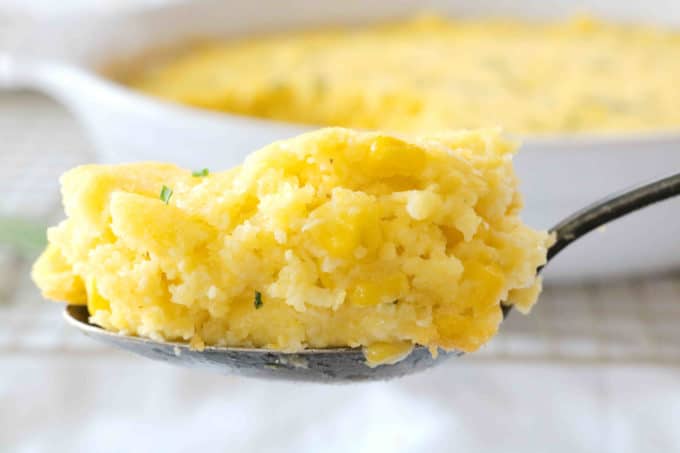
x=559 y=174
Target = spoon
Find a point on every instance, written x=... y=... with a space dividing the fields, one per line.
x=337 y=365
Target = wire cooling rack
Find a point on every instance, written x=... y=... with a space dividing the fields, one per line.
x=620 y=321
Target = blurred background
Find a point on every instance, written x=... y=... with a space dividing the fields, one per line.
x=596 y=367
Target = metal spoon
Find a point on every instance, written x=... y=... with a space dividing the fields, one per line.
x=348 y=364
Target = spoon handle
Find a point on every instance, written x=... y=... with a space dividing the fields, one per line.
x=610 y=208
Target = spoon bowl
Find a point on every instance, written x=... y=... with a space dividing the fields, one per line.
x=314 y=365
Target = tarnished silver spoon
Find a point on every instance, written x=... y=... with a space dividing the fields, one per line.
x=348 y=364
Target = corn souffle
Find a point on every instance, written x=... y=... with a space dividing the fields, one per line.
x=333 y=238
x=431 y=73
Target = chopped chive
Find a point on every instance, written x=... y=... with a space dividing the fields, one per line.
x=166 y=193
x=395 y=301
x=200 y=173
x=258 y=300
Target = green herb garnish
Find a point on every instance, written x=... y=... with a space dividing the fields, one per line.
x=258 y=300
x=200 y=173
x=395 y=301
x=166 y=193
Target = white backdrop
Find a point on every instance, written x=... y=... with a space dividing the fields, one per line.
x=117 y=404
x=593 y=369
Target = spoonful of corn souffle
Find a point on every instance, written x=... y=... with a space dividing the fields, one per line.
x=332 y=239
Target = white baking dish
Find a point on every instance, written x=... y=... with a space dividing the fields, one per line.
x=559 y=174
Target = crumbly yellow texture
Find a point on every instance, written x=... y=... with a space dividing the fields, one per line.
x=351 y=238
x=429 y=74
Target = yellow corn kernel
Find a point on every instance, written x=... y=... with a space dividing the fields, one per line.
x=386 y=353
x=345 y=229
x=465 y=333
x=422 y=204
x=339 y=239
x=390 y=156
x=95 y=301
x=482 y=284
x=379 y=290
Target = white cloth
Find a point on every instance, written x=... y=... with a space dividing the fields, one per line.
x=113 y=403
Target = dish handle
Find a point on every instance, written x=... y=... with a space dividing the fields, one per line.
x=27 y=46
x=16 y=73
